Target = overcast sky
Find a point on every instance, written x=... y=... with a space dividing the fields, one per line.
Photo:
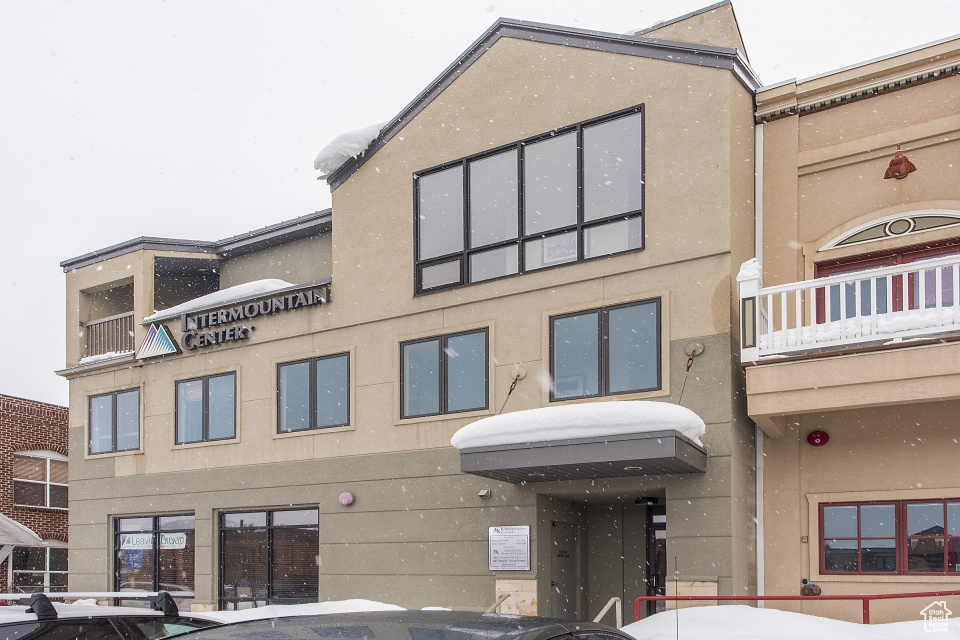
x=200 y=119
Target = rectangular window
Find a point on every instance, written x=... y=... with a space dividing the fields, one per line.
x=115 y=422
x=40 y=480
x=314 y=394
x=154 y=553
x=444 y=374
x=269 y=557
x=570 y=195
x=898 y=537
x=606 y=351
x=39 y=569
x=206 y=408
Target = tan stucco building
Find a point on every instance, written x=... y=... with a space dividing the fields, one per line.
x=558 y=219
x=852 y=356
x=566 y=206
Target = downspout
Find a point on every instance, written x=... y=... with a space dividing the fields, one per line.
x=758 y=432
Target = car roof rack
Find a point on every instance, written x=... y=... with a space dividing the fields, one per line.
x=39 y=603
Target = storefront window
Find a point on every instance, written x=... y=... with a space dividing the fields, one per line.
x=155 y=553
x=269 y=557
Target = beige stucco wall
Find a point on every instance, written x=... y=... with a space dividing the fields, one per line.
x=297 y=262
x=414 y=509
x=889 y=412
x=905 y=452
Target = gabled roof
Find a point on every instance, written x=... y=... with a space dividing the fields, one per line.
x=625 y=44
x=725 y=16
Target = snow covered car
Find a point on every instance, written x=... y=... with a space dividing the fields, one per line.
x=40 y=619
x=410 y=625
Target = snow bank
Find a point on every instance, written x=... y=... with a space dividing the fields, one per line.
x=246 y=291
x=313 y=608
x=740 y=622
x=587 y=420
x=345 y=146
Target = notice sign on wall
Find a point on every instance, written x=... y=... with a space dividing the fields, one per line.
x=510 y=548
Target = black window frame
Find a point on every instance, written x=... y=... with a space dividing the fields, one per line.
x=443 y=372
x=222 y=598
x=205 y=398
x=155 y=531
x=114 y=406
x=522 y=238
x=603 y=351
x=313 y=393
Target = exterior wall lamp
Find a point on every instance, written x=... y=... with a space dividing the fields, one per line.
x=899 y=166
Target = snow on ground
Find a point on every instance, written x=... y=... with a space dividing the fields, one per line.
x=345 y=146
x=587 y=420
x=740 y=622
x=221 y=298
x=287 y=610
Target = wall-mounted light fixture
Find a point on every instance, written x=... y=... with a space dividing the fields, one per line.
x=899 y=166
x=346 y=499
x=818 y=438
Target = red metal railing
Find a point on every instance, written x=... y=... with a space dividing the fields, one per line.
x=865 y=599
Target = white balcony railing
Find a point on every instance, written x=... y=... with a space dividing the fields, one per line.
x=875 y=306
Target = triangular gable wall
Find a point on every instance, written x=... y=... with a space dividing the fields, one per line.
x=715 y=25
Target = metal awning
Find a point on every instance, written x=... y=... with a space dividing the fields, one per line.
x=634 y=454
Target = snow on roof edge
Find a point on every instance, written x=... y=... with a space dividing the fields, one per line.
x=222 y=297
x=585 y=420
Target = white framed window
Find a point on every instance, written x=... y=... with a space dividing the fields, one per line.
x=40 y=568
x=40 y=479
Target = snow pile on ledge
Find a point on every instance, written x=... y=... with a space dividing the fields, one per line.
x=310 y=609
x=587 y=420
x=246 y=291
x=740 y=622
x=109 y=355
x=345 y=146
x=749 y=270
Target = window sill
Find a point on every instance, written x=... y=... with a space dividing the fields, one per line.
x=205 y=443
x=440 y=417
x=36 y=506
x=313 y=432
x=638 y=395
x=883 y=578
x=111 y=454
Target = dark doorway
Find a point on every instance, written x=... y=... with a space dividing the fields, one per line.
x=656 y=557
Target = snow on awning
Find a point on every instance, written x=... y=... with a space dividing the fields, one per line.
x=222 y=298
x=344 y=147
x=584 y=441
x=16 y=534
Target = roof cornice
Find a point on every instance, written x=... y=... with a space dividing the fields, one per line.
x=270 y=236
x=626 y=44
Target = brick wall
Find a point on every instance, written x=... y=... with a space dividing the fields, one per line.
x=26 y=425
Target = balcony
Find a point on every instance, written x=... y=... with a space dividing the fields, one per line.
x=869 y=338
x=113 y=335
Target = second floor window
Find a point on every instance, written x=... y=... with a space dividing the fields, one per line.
x=206 y=408
x=606 y=351
x=313 y=394
x=444 y=374
x=570 y=195
x=115 y=422
x=40 y=479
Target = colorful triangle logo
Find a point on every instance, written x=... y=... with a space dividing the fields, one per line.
x=158 y=342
